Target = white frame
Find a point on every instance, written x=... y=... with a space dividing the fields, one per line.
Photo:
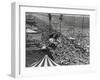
x=18 y=40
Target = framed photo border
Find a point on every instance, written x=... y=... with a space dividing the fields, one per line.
x=15 y=34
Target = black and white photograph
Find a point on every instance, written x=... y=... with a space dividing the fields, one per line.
x=56 y=39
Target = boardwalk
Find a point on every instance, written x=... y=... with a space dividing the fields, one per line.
x=45 y=62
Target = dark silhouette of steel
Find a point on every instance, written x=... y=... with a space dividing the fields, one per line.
x=60 y=18
x=82 y=23
x=50 y=17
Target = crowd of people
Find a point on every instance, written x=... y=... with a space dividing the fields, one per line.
x=67 y=51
